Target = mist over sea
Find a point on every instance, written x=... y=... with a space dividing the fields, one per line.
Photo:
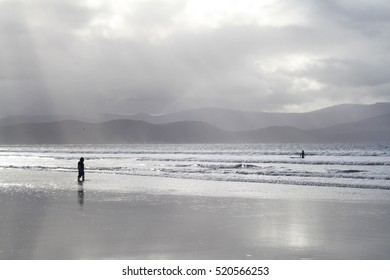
x=334 y=165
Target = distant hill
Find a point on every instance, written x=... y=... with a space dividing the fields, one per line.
x=23 y=119
x=116 y=131
x=232 y=120
x=278 y=134
x=376 y=129
x=237 y=120
x=341 y=123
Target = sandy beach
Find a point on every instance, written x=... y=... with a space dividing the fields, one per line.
x=49 y=215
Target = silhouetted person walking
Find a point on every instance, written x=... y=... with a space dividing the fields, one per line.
x=303 y=154
x=80 y=167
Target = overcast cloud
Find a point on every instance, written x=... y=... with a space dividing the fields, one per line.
x=130 y=56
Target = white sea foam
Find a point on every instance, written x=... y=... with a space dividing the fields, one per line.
x=340 y=165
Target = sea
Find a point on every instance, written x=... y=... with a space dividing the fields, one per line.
x=332 y=165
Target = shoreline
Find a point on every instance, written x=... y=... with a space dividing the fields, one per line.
x=48 y=215
x=44 y=179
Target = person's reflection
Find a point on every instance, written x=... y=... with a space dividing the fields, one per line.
x=80 y=195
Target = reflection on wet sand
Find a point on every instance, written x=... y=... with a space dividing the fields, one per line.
x=150 y=226
x=80 y=197
x=80 y=194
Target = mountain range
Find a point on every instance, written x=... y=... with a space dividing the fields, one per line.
x=342 y=123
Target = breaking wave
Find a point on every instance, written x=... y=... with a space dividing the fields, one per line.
x=337 y=165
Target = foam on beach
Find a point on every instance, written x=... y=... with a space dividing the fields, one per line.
x=349 y=166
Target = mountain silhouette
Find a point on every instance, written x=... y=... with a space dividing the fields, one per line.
x=40 y=130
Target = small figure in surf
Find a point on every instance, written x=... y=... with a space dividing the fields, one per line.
x=80 y=167
x=303 y=154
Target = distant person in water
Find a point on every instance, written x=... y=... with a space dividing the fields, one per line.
x=80 y=167
x=303 y=154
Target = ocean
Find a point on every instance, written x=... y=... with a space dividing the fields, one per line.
x=333 y=165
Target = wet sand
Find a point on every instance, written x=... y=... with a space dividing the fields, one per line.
x=48 y=215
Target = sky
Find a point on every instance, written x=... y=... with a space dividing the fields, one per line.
x=162 y=56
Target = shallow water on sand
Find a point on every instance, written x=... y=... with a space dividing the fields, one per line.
x=48 y=215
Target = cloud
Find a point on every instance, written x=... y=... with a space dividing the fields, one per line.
x=161 y=56
x=349 y=73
